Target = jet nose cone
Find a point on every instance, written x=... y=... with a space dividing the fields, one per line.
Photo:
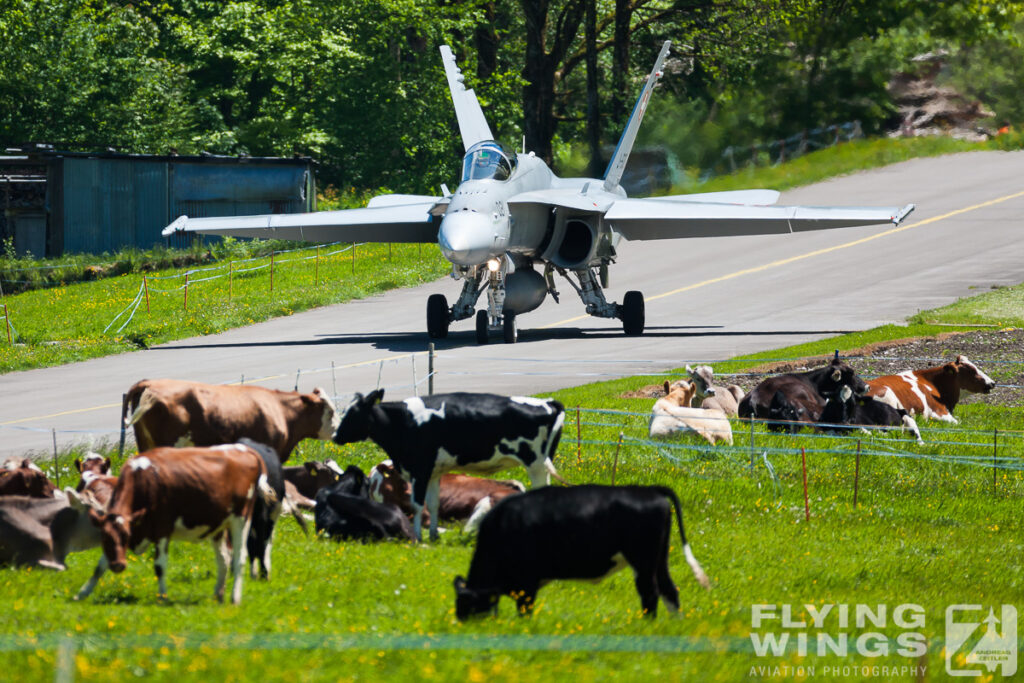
x=466 y=238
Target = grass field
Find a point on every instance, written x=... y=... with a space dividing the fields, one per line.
x=930 y=530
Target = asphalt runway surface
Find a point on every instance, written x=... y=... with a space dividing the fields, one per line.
x=707 y=299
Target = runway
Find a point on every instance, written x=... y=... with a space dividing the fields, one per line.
x=706 y=299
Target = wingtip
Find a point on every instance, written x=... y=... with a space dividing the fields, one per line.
x=903 y=213
x=178 y=225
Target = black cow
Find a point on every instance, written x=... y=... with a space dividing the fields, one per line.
x=783 y=416
x=805 y=392
x=581 y=532
x=846 y=412
x=426 y=437
x=346 y=511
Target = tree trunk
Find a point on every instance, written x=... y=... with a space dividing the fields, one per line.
x=620 y=61
x=486 y=38
x=596 y=167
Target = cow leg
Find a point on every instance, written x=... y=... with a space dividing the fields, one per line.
x=221 y=554
x=101 y=569
x=160 y=566
x=647 y=587
x=526 y=598
x=666 y=587
x=433 y=502
x=417 y=499
x=239 y=531
x=540 y=472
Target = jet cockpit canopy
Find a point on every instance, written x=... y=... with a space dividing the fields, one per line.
x=488 y=160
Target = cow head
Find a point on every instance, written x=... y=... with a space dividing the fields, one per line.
x=387 y=485
x=470 y=602
x=322 y=473
x=969 y=377
x=25 y=479
x=838 y=374
x=92 y=466
x=352 y=482
x=329 y=417
x=784 y=416
x=702 y=378
x=680 y=392
x=116 y=532
x=354 y=423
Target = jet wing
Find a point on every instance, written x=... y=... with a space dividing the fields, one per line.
x=661 y=219
x=727 y=197
x=379 y=222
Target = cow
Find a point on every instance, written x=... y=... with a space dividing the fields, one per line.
x=860 y=412
x=672 y=414
x=24 y=530
x=931 y=393
x=426 y=437
x=783 y=416
x=169 y=412
x=805 y=392
x=24 y=478
x=344 y=511
x=581 y=532
x=727 y=398
x=310 y=477
x=72 y=530
x=462 y=497
x=193 y=494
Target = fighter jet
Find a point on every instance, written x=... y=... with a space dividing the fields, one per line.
x=511 y=225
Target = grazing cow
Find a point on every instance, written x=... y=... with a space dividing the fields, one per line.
x=671 y=414
x=310 y=477
x=345 y=511
x=580 y=532
x=859 y=412
x=727 y=399
x=169 y=412
x=805 y=392
x=24 y=530
x=193 y=494
x=933 y=392
x=461 y=497
x=24 y=478
x=426 y=437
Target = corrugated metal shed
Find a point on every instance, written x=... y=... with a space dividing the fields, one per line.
x=104 y=202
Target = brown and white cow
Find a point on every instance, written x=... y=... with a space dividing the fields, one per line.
x=310 y=477
x=24 y=478
x=71 y=529
x=931 y=393
x=191 y=494
x=170 y=412
x=462 y=497
x=672 y=414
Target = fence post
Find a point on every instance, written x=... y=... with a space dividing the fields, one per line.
x=334 y=383
x=124 y=406
x=579 y=442
x=145 y=285
x=56 y=470
x=297 y=373
x=415 y=389
x=856 y=476
x=615 y=463
x=353 y=258
x=231 y=277
x=751 y=445
x=430 y=369
x=807 y=505
x=186 y=290
x=995 y=452
x=316 y=269
x=271 y=271
x=7 y=322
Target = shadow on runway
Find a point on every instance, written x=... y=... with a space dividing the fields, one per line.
x=407 y=342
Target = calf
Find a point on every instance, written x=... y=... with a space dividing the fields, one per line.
x=24 y=478
x=168 y=412
x=426 y=437
x=727 y=399
x=72 y=529
x=671 y=414
x=783 y=416
x=846 y=409
x=24 y=530
x=461 y=497
x=344 y=511
x=933 y=392
x=581 y=532
x=805 y=392
x=310 y=477
x=194 y=494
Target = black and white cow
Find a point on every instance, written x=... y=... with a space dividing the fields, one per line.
x=426 y=437
x=580 y=532
x=846 y=412
x=345 y=511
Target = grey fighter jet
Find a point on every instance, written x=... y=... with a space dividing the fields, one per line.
x=512 y=224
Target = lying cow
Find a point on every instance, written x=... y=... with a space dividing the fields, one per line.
x=845 y=412
x=804 y=392
x=426 y=437
x=931 y=393
x=24 y=478
x=72 y=529
x=169 y=412
x=671 y=414
x=344 y=511
x=462 y=497
x=192 y=494
x=310 y=477
x=727 y=398
x=581 y=532
x=25 y=533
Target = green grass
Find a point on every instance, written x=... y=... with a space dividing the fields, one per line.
x=66 y=323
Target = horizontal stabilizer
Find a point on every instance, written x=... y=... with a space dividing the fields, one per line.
x=648 y=219
x=396 y=223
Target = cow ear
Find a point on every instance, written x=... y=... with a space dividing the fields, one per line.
x=310 y=466
x=375 y=396
x=74 y=500
x=837 y=375
x=689 y=369
x=106 y=465
x=78 y=464
x=950 y=368
x=668 y=387
x=96 y=517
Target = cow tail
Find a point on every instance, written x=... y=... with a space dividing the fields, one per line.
x=698 y=571
x=288 y=507
x=132 y=400
x=266 y=492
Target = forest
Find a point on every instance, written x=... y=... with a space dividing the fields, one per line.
x=358 y=84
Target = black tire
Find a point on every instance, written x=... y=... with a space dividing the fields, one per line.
x=509 y=328
x=633 y=314
x=482 y=327
x=437 y=316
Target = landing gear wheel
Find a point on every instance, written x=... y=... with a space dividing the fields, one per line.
x=633 y=314
x=482 y=327
x=437 y=316
x=509 y=328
